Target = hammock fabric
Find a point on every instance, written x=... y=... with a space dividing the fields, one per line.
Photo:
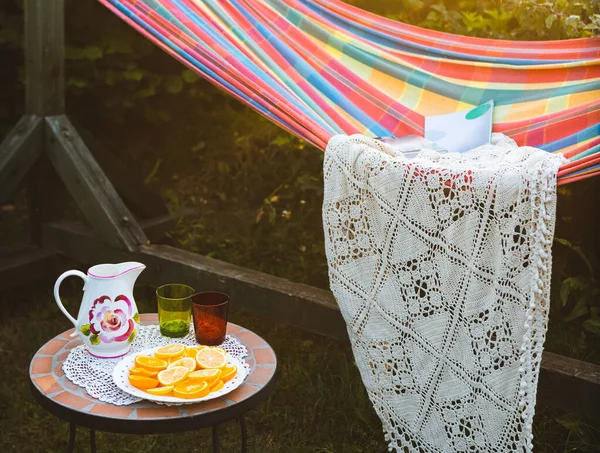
x=322 y=67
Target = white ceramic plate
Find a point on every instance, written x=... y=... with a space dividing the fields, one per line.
x=121 y=374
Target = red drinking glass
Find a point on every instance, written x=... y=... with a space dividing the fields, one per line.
x=210 y=317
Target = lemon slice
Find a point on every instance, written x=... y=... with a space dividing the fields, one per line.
x=140 y=371
x=172 y=350
x=209 y=358
x=209 y=376
x=189 y=391
x=228 y=373
x=150 y=363
x=142 y=382
x=217 y=386
x=161 y=391
x=187 y=362
x=172 y=376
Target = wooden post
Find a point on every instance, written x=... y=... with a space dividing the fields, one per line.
x=44 y=57
x=44 y=95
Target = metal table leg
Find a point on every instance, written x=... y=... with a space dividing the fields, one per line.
x=243 y=429
x=215 y=440
x=71 y=447
x=93 y=440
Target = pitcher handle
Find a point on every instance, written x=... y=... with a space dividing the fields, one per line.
x=60 y=279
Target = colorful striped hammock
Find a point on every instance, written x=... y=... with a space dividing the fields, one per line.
x=322 y=67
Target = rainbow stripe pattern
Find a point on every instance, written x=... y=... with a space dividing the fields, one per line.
x=322 y=67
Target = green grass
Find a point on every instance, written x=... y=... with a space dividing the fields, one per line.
x=319 y=404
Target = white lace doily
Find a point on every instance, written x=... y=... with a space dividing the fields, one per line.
x=96 y=374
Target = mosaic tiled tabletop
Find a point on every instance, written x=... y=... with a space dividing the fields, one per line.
x=48 y=378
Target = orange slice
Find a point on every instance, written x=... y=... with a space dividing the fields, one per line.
x=172 y=350
x=140 y=371
x=191 y=352
x=217 y=386
x=142 y=382
x=228 y=373
x=209 y=358
x=208 y=376
x=187 y=362
x=161 y=391
x=194 y=390
x=174 y=375
x=150 y=363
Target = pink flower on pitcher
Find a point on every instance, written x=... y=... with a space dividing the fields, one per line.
x=111 y=320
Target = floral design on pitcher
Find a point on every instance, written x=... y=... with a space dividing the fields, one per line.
x=111 y=320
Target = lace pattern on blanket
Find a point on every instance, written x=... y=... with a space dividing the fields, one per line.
x=441 y=267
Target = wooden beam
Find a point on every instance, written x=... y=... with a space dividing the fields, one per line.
x=570 y=384
x=567 y=383
x=44 y=57
x=25 y=265
x=92 y=191
x=306 y=307
x=18 y=152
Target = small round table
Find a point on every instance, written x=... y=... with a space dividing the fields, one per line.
x=55 y=393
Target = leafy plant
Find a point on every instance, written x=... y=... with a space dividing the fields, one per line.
x=575 y=305
x=504 y=19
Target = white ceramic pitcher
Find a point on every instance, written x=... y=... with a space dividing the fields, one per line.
x=108 y=318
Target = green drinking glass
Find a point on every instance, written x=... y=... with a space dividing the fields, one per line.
x=174 y=309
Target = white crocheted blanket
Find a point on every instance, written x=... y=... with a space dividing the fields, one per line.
x=441 y=267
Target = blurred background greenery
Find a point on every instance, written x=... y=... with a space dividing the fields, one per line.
x=257 y=190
